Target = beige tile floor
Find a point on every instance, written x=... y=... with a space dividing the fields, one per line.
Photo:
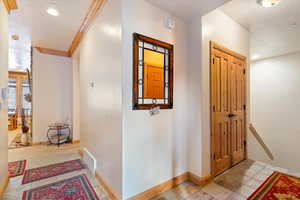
x=11 y=135
x=237 y=183
x=38 y=156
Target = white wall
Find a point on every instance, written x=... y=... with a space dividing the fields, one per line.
x=52 y=92
x=3 y=84
x=76 y=97
x=275 y=110
x=217 y=27
x=100 y=63
x=154 y=148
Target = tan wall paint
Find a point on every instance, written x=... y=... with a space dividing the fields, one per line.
x=154 y=147
x=76 y=97
x=100 y=62
x=275 y=110
x=3 y=84
x=217 y=27
x=52 y=92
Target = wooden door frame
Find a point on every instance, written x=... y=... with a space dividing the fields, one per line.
x=214 y=45
x=19 y=76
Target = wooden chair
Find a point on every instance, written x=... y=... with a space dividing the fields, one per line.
x=12 y=122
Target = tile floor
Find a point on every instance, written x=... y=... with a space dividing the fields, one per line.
x=12 y=135
x=237 y=183
x=38 y=156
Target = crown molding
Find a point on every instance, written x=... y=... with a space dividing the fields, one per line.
x=10 y=5
x=53 y=52
x=91 y=15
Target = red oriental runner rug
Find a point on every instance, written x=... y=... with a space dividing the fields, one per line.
x=40 y=173
x=16 y=168
x=74 y=188
x=278 y=186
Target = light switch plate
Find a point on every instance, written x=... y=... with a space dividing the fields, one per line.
x=4 y=94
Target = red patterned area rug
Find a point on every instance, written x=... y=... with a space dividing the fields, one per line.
x=16 y=168
x=278 y=186
x=40 y=173
x=75 y=188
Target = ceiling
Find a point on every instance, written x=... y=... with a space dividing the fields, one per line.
x=35 y=26
x=273 y=31
x=187 y=9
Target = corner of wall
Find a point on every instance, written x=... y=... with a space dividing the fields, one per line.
x=3 y=84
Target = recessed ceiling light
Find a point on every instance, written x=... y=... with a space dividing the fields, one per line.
x=268 y=3
x=255 y=57
x=52 y=11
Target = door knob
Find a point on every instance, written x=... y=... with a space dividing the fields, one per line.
x=231 y=115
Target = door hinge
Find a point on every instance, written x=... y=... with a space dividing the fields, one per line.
x=244 y=106
x=245 y=142
x=214 y=108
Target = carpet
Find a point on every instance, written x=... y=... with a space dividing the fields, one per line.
x=40 y=173
x=75 y=188
x=278 y=186
x=16 y=168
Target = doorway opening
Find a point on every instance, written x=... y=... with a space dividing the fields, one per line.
x=19 y=92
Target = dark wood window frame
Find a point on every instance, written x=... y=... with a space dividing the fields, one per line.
x=137 y=105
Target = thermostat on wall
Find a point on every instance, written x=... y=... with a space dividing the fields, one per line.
x=169 y=22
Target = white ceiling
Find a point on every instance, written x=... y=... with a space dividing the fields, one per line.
x=36 y=27
x=19 y=50
x=45 y=30
x=271 y=29
x=187 y=9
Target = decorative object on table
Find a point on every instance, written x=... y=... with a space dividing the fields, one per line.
x=28 y=97
x=49 y=171
x=16 y=168
x=59 y=133
x=78 y=187
x=152 y=73
x=278 y=186
x=25 y=129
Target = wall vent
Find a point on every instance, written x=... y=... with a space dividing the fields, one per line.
x=89 y=160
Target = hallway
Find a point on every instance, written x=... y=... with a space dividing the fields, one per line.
x=237 y=183
x=43 y=155
x=149 y=100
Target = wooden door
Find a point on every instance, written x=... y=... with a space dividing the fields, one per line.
x=154 y=82
x=227 y=108
x=238 y=107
